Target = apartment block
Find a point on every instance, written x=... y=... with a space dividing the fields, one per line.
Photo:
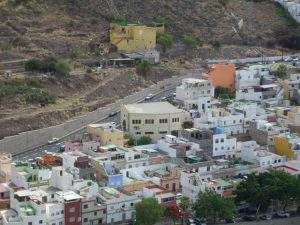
x=154 y=120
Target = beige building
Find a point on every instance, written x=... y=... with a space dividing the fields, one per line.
x=106 y=133
x=294 y=116
x=155 y=119
x=5 y=167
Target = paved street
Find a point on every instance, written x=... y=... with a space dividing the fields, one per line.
x=288 y=221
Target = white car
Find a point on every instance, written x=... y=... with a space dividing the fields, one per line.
x=149 y=97
x=53 y=140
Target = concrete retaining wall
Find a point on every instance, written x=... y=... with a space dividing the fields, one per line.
x=32 y=139
x=252 y=60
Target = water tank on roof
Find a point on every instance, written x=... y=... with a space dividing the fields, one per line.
x=218 y=130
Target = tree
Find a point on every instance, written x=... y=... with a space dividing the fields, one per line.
x=148 y=212
x=281 y=71
x=184 y=204
x=214 y=207
x=274 y=186
x=223 y=93
x=143 y=68
x=165 y=40
x=252 y=192
x=173 y=212
x=284 y=188
x=187 y=124
x=62 y=69
x=33 y=65
x=144 y=140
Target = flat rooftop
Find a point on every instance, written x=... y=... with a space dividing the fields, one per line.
x=152 y=108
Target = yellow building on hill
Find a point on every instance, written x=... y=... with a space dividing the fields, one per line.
x=283 y=147
x=133 y=37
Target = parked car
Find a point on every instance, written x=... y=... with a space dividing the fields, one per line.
x=248 y=218
x=265 y=217
x=149 y=97
x=164 y=98
x=52 y=141
x=112 y=114
x=282 y=214
x=190 y=221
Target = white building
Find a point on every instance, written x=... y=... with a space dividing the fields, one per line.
x=231 y=122
x=223 y=146
x=263 y=157
x=250 y=76
x=154 y=120
x=120 y=206
x=191 y=89
x=175 y=147
x=269 y=94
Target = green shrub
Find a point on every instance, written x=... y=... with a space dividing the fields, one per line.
x=143 y=68
x=165 y=40
x=187 y=124
x=223 y=2
x=281 y=71
x=190 y=41
x=30 y=94
x=50 y=65
x=145 y=140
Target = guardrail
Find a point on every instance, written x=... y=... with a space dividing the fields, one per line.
x=252 y=60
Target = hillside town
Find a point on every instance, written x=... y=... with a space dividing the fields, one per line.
x=150 y=135
x=209 y=136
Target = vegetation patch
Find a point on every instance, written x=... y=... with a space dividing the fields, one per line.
x=27 y=90
x=49 y=65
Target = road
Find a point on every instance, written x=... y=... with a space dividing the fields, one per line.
x=287 y=221
x=37 y=152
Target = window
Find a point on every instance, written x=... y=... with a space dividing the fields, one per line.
x=175 y=120
x=149 y=121
x=138 y=133
x=163 y=132
x=71 y=210
x=85 y=206
x=131 y=204
x=60 y=223
x=167 y=186
x=150 y=132
x=136 y=121
x=95 y=213
x=233 y=121
x=72 y=219
x=217 y=141
x=163 y=120
x=53 y=223
x=85 y=219
x=62 y=212
x=41 y=221
x=222 y=140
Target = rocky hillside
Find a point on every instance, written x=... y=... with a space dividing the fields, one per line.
x=72 y=27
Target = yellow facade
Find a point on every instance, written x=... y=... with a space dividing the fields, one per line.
x=133 y=37
x=283 y=147
x=106 y=136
